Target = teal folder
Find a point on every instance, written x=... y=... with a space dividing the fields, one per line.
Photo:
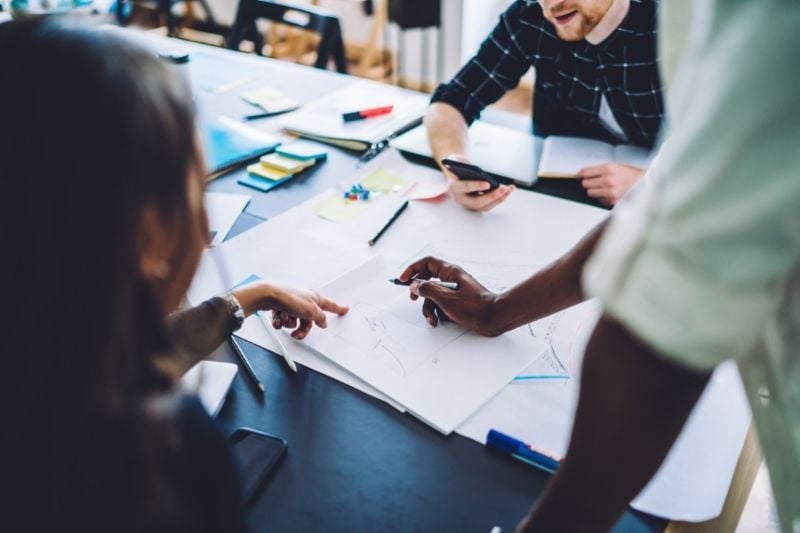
x=228 y=144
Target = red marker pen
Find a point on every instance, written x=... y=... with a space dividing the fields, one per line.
x=367 y=113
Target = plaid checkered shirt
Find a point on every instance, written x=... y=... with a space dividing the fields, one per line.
x=571 y=78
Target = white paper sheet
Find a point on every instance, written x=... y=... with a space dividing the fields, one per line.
x=223 y=209
x=210 y=381
x=442 y=374
x=692 y=483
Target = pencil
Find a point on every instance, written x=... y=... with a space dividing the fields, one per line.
x=267 y=114
x=397 y=213
x=281 y=347
x=247 y=366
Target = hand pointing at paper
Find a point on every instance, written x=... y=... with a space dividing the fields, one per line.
x=292 y=308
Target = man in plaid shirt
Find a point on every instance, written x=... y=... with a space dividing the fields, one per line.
x=596 y=76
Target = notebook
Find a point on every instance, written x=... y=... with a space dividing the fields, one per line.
x=500 y=151
x=322 y=121
x=564 y=157
x=228 y=143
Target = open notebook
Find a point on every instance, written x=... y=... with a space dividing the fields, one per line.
x=564 y=157
x=321 y=120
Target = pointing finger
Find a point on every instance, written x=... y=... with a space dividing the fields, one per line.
x=332 y=307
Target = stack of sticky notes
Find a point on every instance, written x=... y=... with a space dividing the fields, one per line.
x=282 y=165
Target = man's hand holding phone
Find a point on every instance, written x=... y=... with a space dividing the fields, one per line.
x=471 y=186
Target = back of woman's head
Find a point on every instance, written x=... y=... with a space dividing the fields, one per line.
x=93 y=130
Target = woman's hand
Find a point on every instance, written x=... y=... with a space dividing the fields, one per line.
x=470 y=305
x=293 y=308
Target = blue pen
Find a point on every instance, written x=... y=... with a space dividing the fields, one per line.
x=520 y=450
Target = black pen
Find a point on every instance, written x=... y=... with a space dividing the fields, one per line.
x=397 y=213
x=267 y=114
x=247 y=366
x=376 y=148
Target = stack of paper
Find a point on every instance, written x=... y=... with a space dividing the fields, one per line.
x=277 y=168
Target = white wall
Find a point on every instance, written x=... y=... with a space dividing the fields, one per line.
x=479 y=18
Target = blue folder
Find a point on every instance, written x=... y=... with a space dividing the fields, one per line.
x=228 y=144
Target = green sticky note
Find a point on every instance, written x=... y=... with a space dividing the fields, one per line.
x=338 y=209
x=384 y=182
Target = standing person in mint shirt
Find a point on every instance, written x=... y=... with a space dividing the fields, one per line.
x=596 y=76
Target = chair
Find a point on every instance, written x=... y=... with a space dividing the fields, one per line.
x=164 y=11
x=309 y=18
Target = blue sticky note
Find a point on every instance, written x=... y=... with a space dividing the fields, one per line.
x=302 y=152
x=260 y=184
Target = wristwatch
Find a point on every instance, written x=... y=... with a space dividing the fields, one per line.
x=236 y=310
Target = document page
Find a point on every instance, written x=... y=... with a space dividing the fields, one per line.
x=441 y=375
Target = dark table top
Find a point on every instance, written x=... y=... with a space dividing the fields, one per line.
x=354 y=463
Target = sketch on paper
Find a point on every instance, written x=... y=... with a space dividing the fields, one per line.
x=396 y=335
x=564 y=333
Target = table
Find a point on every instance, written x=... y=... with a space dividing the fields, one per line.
x=353 y=463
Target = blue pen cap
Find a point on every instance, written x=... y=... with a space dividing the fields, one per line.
x=502 y=442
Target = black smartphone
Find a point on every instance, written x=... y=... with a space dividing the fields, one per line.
x=467 y=171
x=258 y=455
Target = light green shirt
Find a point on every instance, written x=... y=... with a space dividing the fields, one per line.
x=703 y=261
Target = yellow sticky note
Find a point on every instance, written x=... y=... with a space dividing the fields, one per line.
x=285 y=164
x=384 y=182
x=267 y=172
x=338 y=209
x=262 y=95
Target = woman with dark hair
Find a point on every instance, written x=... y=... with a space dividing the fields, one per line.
x=101 y=183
